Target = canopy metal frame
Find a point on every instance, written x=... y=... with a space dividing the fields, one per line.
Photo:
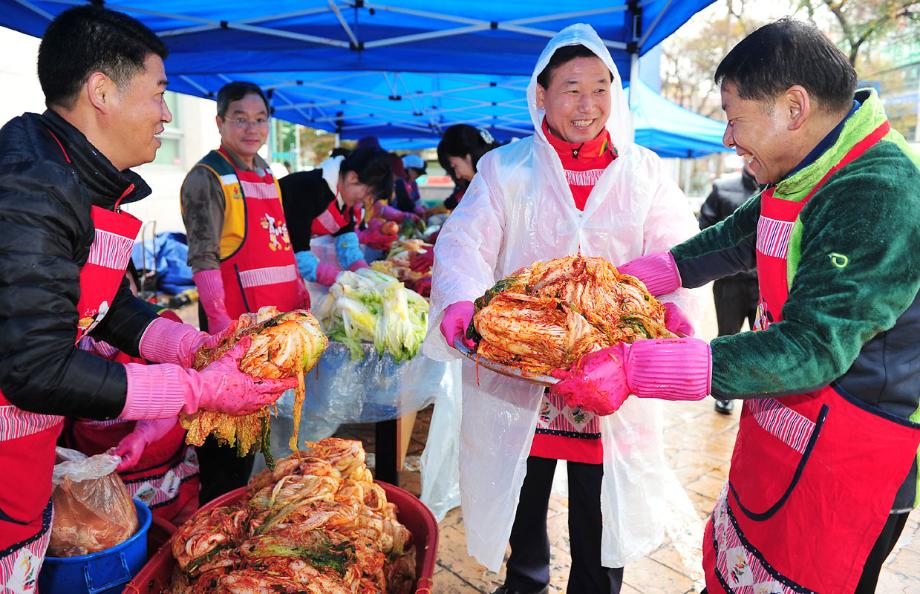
x=319 y=89
x=352 y=40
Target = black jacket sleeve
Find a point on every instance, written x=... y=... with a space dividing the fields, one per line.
x=45 y=233
x=304 y=196
x=722 y=250
x=404 y=201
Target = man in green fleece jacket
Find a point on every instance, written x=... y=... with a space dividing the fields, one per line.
x=824 y=470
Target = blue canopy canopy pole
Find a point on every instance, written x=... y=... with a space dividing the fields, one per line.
x=634 y=11
x=633 y=75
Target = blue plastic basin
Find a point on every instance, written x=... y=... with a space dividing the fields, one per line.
x=99 y=573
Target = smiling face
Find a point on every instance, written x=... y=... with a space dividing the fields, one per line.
x=759 y=131
x=138 y=114
x=244 y=128
x=577 y=101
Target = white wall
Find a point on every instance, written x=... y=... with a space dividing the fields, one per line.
x=18 y=67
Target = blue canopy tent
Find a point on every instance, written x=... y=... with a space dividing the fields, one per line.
x=669 y=129
x=362 y=68
x=469 y=36
x=411 y=110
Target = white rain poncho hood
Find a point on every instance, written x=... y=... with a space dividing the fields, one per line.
x=517 y=210
x=620 y=123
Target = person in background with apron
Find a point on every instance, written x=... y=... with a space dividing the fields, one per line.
x=64 y=247
x=407 y=197
x=330 y=200
x=824 y=470
x=238 y=246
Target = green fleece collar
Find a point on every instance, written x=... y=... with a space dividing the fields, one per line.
x=869 y=116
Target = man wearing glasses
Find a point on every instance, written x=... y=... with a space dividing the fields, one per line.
x=239 y=248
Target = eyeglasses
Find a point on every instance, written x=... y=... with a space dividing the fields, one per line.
x=243 y=123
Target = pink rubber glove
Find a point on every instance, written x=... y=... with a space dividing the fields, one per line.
x=457 y=318
x=676 y=321
x=160 y=391
x=327 y=273
x=168 y=341
x=423 y=286
x=597 y=383
x=658 y=272
x=421 y=262
x=667 y=368
x=132 y=446
x=376 y=239
x=211 y=295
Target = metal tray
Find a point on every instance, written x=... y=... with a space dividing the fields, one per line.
x=501 y=368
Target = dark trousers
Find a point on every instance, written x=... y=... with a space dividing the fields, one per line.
x=221 y=470
x=883 y=546
x=880 y=551
x=735 y=299
x=528 y=565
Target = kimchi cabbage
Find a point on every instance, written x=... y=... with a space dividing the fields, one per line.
x=549 y=314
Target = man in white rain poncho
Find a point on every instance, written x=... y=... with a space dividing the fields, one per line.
x=578 y=183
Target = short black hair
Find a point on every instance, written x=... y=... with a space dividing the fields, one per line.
x=564 y=54
x=461 y=140
x=87 y=39
x=373 y=169
x=340 y=151
x=786 y=53
x=235 y=91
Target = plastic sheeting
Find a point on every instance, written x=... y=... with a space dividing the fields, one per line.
x=377 y=389
x=441 y=458
x=340 y=390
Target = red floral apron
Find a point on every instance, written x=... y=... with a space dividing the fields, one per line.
x=263 y=270
x=27 y=439
x=813 y=476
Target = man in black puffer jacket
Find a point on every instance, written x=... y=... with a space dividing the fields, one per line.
x=64 y=246
x=735 y=296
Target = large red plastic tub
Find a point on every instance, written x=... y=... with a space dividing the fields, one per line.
x=156 y=575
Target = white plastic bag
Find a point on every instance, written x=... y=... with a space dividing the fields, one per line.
x=93 y=510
